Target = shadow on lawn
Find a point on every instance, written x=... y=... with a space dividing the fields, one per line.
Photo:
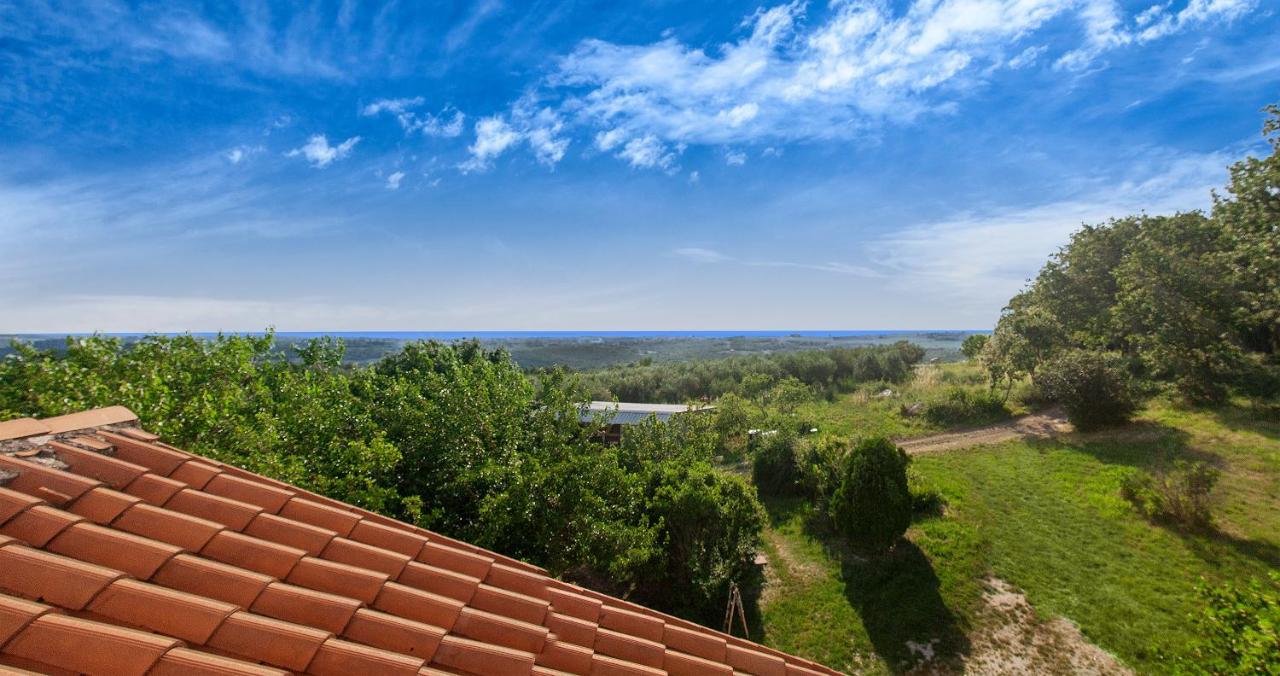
x=898 y=598
x=896 y=595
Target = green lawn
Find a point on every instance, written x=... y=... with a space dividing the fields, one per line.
x=864 y=413
x=1047 y=517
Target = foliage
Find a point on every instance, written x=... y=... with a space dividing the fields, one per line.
x=454 y=437
x=774 y=466
x=755 y=377
x=710 y=530
x=1093 y=387
x=872 y=505
x=961 y=406
x=1239 y=629
x=972 y=345
x=1180 y=494
x=1192 y=297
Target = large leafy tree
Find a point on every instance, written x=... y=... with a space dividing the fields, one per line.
x=1193 y=299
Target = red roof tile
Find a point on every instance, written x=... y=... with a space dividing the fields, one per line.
x=39 y=524
x=33 y=477
x=88 y=647
x=306 y=606
x=257 y=576
x=389 y=632
x=253 y=554
x=280 y=644
x=113 y=472
x=266 y=497
x=195 y=474
x=212 y=579
x=40 y=576
x=186 y=662
x=316 y=514
x=139 y=557
x=189 y=617
x=189 y=532
x=103 y=505
x=342 y=658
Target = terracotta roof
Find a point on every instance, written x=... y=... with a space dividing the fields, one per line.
x=120 y=554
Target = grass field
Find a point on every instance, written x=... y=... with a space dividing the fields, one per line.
x=865 y=412
x=1045 y=516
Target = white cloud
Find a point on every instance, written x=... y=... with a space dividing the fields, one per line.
x=1027 y=56
x=239 y=154
x=695 y=177
x=865 y=62
x=541 y=128
x=393 y=181
x=1106 y=28
x=493 y=137
x=735 y=158
x=320 y=154
x=647 y=152
x=448 y=123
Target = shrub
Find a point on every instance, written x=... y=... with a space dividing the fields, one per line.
x=1180 y=495
x=972 y=345
x=1092 y=386
x=960 y=406
x=872 y=506
x=1239 y=630
x=821 y=466
x=926 y=500
x=773 y=466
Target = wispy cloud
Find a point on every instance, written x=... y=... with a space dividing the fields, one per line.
x=978 y=260
x=448 y=123
x=393 y=181
x=320 y=154
x=702 y=255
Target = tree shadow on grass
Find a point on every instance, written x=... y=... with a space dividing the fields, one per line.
x=1208 y=545
x=1256 y=418
x=898 y=597
x=1143 y=444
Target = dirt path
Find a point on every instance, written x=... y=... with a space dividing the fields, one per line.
x=1043 y=424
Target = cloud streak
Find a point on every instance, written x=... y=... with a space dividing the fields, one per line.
x=320 y=154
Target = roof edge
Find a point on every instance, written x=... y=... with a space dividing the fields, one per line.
x=22 y=427
x=30 y=427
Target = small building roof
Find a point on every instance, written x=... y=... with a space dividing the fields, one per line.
x=628 y=413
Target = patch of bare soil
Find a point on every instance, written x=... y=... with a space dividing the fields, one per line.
x=1012 y=639
x=1037 y=425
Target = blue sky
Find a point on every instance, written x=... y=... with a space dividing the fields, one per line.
x=492 y=165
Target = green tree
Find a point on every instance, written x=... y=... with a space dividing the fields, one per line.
x=872 y=505
x=972 y=345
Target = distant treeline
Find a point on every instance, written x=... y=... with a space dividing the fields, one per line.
x=825 y=371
